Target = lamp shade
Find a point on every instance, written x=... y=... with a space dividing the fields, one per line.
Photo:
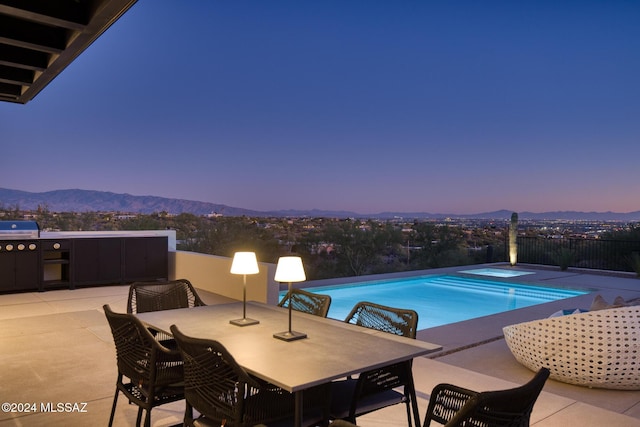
x=290 y=269
x=244 y=263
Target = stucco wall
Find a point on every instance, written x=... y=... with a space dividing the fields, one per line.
x=211 y=273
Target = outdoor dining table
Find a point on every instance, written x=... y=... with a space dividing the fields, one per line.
x=332 y=349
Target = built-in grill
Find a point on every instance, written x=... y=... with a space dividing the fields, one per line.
x=19 y=230
x=19 y=256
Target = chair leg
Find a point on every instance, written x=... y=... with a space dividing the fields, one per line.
x=139 y=417
x=408 y=405
x=410 y=393
x=188 y=415
x=147 y=418
x=113 y=407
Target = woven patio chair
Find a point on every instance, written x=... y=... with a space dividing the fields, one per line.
x=149 y=374
x=307 y=302
x=455 y=406
x=377 y=389
x=156 y=296
x=223 y=393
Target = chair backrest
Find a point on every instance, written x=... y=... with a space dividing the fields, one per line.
x=140 y=357
x=382 y=318
x=307 y=302
x=220 y=389
x=510 y=407
x=156 y=296
x=392 y=320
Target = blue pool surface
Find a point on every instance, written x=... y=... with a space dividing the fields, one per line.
x=440 y=300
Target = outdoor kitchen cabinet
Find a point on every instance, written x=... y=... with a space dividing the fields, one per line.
x=145 y=258
x=55 y=257
x=118 y=260
x=19 y=261
x=97 y=261
x=30 y=262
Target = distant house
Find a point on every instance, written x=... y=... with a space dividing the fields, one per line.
x=122 y=217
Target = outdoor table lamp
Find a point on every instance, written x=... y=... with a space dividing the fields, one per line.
x=244 y=263
x=290 y=269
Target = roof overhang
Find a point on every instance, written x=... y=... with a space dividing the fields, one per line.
x=39 y=38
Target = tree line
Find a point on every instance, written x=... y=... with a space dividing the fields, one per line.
x=329 y=247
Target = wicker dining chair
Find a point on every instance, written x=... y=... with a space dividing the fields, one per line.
x=307 y=302
x=167 y=295
x=455 y=406
x=149 y=374
x=223 y=393
x=378 y=388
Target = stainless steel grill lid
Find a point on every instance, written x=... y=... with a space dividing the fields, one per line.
x=11 y=230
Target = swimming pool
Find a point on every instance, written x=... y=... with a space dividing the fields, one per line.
x=441 y=299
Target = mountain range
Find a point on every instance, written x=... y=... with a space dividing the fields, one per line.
x=76 y=200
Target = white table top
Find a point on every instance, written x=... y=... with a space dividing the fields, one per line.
x=332 y=350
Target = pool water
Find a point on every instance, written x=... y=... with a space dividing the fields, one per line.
x=440 y=300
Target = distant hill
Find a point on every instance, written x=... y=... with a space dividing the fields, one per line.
x=103 y=201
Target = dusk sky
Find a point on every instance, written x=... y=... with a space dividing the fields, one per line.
x=368 y=106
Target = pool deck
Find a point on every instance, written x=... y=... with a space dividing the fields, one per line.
x=56 y=347
x=475 y=353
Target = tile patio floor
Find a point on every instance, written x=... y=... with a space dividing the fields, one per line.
x=56 y=346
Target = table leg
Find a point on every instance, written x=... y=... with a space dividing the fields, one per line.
x=298 y=415
x=414 y=400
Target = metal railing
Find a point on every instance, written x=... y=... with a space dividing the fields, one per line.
x=616 y=255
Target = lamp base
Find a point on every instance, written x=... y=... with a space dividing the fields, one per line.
x=244 y=322
x=290 y=335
